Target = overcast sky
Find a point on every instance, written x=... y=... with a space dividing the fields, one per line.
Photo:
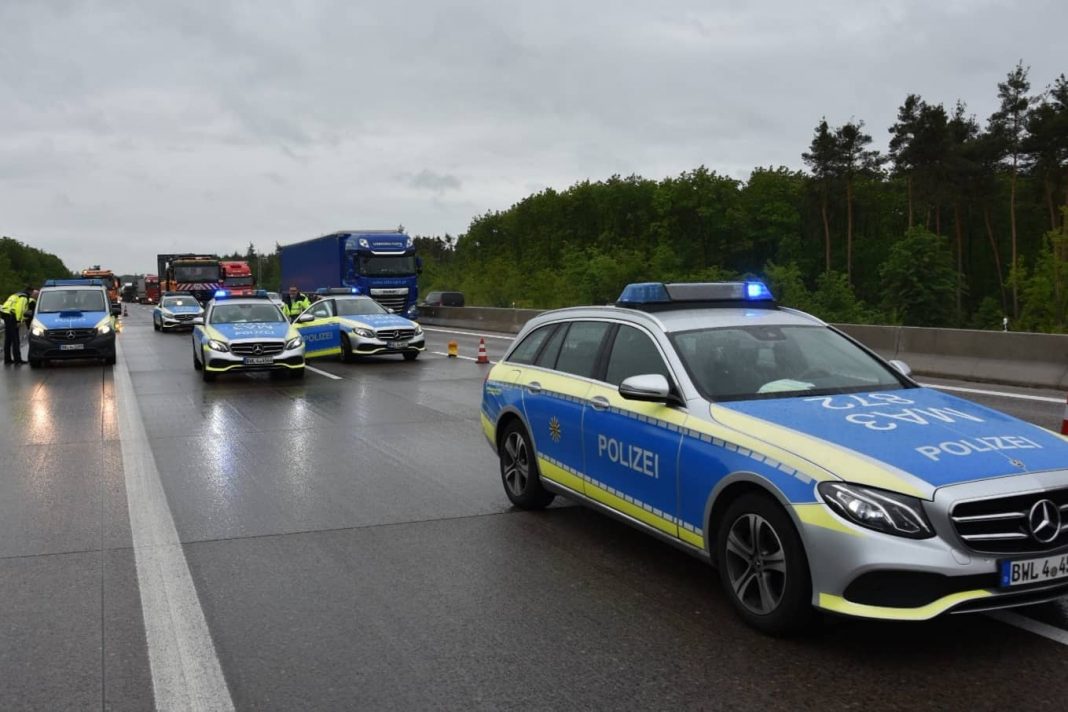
x=131 y=128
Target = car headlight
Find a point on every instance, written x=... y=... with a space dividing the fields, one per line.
x=103 y=329
x=217 y=345
x=166 y=313
x=37 y=329
x=363 y=333
x=294 y=342
x=418 y=330
x=887 y=512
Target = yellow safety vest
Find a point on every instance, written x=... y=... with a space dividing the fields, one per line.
x=15 y=304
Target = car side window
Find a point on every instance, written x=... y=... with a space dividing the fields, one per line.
x=548 y=355
x=322 y=309
x=634 y=354
x=578 y=353
x=528 y=347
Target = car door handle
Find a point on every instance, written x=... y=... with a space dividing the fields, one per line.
x=599 y=402
x=534 y=387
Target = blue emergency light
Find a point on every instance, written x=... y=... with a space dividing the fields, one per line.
x=687 y=295
x=337 y=290
x=221 y=294
x=82 y=282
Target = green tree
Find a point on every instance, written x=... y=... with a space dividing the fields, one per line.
x=918 y=280
x=822 y=161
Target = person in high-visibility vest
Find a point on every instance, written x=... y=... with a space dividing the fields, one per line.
x=12 y=311
x=295 y=303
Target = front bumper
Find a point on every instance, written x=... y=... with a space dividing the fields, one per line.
x=223 y=361
x=864 y=573
x=363 y=346
x=52 y=347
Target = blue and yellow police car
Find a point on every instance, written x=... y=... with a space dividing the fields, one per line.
x=812 y=473
x=74 y=320
x=344 y=323
x=247 y=333
x=176 y=310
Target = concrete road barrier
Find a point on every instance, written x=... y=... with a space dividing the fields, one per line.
x=1024 y=359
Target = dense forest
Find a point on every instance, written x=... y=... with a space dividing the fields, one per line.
x=962 y=223
x=22 y=265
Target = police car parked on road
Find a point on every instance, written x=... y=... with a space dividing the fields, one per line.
x=814 y=474
x=347 y=324
x=176 y=310
x=247 y=333
x=74 y=320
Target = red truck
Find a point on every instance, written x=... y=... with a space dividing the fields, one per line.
x=151 y=289
x=237 y=277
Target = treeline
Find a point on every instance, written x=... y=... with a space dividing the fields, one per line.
x=961 y=224
x=22 y=265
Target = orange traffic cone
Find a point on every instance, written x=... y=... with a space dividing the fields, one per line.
x=482 y=357
x=1064 y=420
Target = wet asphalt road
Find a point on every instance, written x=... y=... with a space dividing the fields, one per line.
x=351 y=548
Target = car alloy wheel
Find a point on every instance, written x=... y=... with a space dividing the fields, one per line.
x=756 y=564
x=519 y=470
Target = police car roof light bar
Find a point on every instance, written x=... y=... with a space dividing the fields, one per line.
x=83 y=282
x=657 y=296
x=337 y=290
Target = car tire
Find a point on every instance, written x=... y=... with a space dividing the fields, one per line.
x=519 y=470
x=196 y=363
x=763 y=567
x=411 y=355
x=35 y=362
x=110 y=360
x=155 y=325
x=207 y=375
x=346 y=349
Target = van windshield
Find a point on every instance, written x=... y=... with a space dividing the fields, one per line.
x=72 y=300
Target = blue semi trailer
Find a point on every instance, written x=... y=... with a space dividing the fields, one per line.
x=379 y=263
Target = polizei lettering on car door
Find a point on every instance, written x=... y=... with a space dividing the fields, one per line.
x=642 y=461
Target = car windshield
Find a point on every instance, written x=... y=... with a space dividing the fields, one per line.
x=387 y=265
x=72 y=300
x=754 y=362
x=356 y=307
x=180 y=302
x=246 y=313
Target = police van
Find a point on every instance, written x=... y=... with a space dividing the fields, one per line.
x=246 y=333
x=74 y=319
x=812 y=473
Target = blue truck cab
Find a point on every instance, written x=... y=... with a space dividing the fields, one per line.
x=381 y=264
x=74 y=320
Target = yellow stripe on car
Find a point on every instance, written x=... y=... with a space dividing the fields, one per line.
x=837 y=604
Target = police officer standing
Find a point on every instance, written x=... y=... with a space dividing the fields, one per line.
x=295 y=302
x=13 y=310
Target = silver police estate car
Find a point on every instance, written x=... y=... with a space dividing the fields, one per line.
x=814 y=474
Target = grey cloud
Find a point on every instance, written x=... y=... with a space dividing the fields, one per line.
x=435 y=182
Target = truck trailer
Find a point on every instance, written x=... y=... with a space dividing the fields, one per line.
x=379 y=263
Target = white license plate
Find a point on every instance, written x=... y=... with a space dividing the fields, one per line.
x=1047 y=568
x=71 y=347
x=396 y=344
x=259 y=360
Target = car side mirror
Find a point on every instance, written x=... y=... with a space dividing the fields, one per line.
x=902 y=367
x=198 y=321
x=649 y=387
x=305 y=318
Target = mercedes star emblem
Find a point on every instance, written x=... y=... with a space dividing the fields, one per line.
x=70 y=334
x=257 y=349
x=1044 y=520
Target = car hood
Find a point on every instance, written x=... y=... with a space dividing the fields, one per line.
x=71 y=319
x=919 y=437
x=380 y=321
x=270 y=330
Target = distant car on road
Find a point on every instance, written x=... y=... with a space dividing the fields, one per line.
x=352 y=325
x=814 y=474
x=444 y=299
x=176 y=311
x=247 y=333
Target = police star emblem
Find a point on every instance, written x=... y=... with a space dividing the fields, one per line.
x=554 y=429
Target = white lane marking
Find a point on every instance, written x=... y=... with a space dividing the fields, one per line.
x=323 y=373
x=1002 y=394
x=488 y=335
x=1045 y=630
x=465 y=358
x=185 y=669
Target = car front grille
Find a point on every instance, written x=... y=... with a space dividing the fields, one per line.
x=184 y=317
x=70 y=334
x=266 y=348
x=1001 y=526
x=395 y=334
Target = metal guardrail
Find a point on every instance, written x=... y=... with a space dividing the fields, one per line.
x=1014 y=358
